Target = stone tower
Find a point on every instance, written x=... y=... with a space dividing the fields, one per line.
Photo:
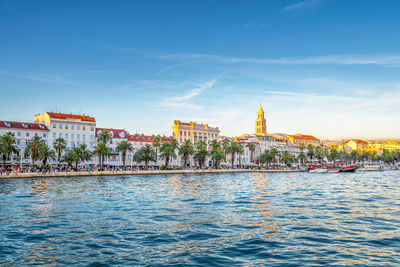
x=261 y=123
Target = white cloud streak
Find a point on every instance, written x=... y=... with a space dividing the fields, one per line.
x=300 y=5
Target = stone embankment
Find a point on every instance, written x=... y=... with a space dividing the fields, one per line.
x=110 y=173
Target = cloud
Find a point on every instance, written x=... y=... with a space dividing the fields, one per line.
x=180 y=101
x=384 y=60
x=300 y=5
x=42 y=78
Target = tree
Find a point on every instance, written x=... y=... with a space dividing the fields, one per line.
x=214 y=146
x=318 y=153
x=252 y=149
x=167 y=151
x=310 y=149
x=387 y=157
x=274 y=153
x=186 y=150
x=287 y=158
x=302 y=156
x=354 y=155
x=123 y=147
x=145 y=154
x=302 y=146
x=174 y=143
x=69 y=158
x=327 y=154
x=157 y=144
x=334 y=154
x=240 y=151
x=45 y=154
x=82 y=154
x=225 y=146
x=232 y=149
x=104 y=137
x=364 y=156
x=59 y=145
x=7 y=146
x=266 y=158
x=33 y=148
x=102 y=150
x=201 y=153
x=217 y=156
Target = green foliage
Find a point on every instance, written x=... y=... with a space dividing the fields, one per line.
x=167 y=151
x=145 y=154
x=186 y=150
x=7 y=146
x=104 y=137
x=102 y=150
x=123 y=147
x=45 y=154
x=201 y=153
x=59 y=145
x=32 y=150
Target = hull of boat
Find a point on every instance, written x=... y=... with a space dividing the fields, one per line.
x=318 y=170
x=334 y=170
x=348 y=169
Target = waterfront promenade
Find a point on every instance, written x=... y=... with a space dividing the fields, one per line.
x=113 y=173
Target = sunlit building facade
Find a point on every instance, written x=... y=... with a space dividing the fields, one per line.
x=194 y=132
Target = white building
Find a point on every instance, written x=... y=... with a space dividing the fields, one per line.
x=117 y=136
x=74 y=129
x=24 y=132
x=194 y=132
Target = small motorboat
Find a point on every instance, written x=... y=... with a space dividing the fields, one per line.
x=348 y=169
x=372 y=168
x=334 y=169
x=318 y=170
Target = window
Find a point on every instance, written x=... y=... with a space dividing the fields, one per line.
x=44 y=135
x=92 y=137
x=66 y=135
x=54 y=135
x=66 y=126
x=83 y=136
x=92 y=128
x=18 y=142
x=19 y=134
x=72 y=136
x=54 y=126
x=27 y=134
x=60 y=135
x=78 y=127
x=84 y=128
x=77 y=136
x=60 y=126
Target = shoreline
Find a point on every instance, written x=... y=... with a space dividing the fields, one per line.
x=122 y=173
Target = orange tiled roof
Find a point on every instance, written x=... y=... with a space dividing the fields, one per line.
x=71 y=116
x=305 y=137
x=23 y=125
x=146 y=138
x=357 y=141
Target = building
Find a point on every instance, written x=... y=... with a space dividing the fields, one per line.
x=297 y=139
x=354 y=144
x=117 y=136
x=74 y=129
x=24 y=132
x=261 y=123
x=194 y=132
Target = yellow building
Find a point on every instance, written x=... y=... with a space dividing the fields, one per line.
x=261 y=123
x=297 y=139
x=194 y=132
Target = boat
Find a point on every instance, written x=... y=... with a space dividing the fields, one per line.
x=318 y=170
x=334 y=169
x=348 y=169
x=372 y=168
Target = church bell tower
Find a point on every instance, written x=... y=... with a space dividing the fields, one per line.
x=261 y=123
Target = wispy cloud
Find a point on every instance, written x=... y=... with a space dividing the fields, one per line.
x=300 y=5
x=58 y=79
x=391 y=60
x=180 y=101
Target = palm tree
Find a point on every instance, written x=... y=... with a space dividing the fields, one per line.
x=252 y=148
x=318 y=152
x=274 y=153
x=287 y=158
x=334 y=155
x=302 y=146
x=69 y=158
x=232 y=149
x=167 y=151
x=157 y=144
x=217 y=155
x=302 y=157
x=327 y=154
x=266 y=158
x=45 y=154
x=240 y=151
x=225 y=146
x=310 y=152
x=186 y=150
x=7 y=146
x=124 y=147
x=59 y=145
x=145 y=154
x=214 y=146
x=354 y=155
x=104 y=137
x=102 y=150
x=33 y=148
x=201 y=153
x=82 y=154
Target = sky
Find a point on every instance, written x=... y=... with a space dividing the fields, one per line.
x=329 y=68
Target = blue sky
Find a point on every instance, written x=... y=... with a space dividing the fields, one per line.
x=322 y=67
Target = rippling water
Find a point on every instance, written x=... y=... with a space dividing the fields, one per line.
x=282 y=219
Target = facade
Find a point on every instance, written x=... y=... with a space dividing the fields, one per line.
x=24 y=132
x=297 y=139
x=74 y=129
x=194 y=132
x=354 y=144
x=261 y=123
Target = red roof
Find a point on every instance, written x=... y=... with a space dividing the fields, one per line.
x=357 y=141
x=71 y=116
x=115 y=133
x=305 y=137
x=23 y=125
x=146 y=138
